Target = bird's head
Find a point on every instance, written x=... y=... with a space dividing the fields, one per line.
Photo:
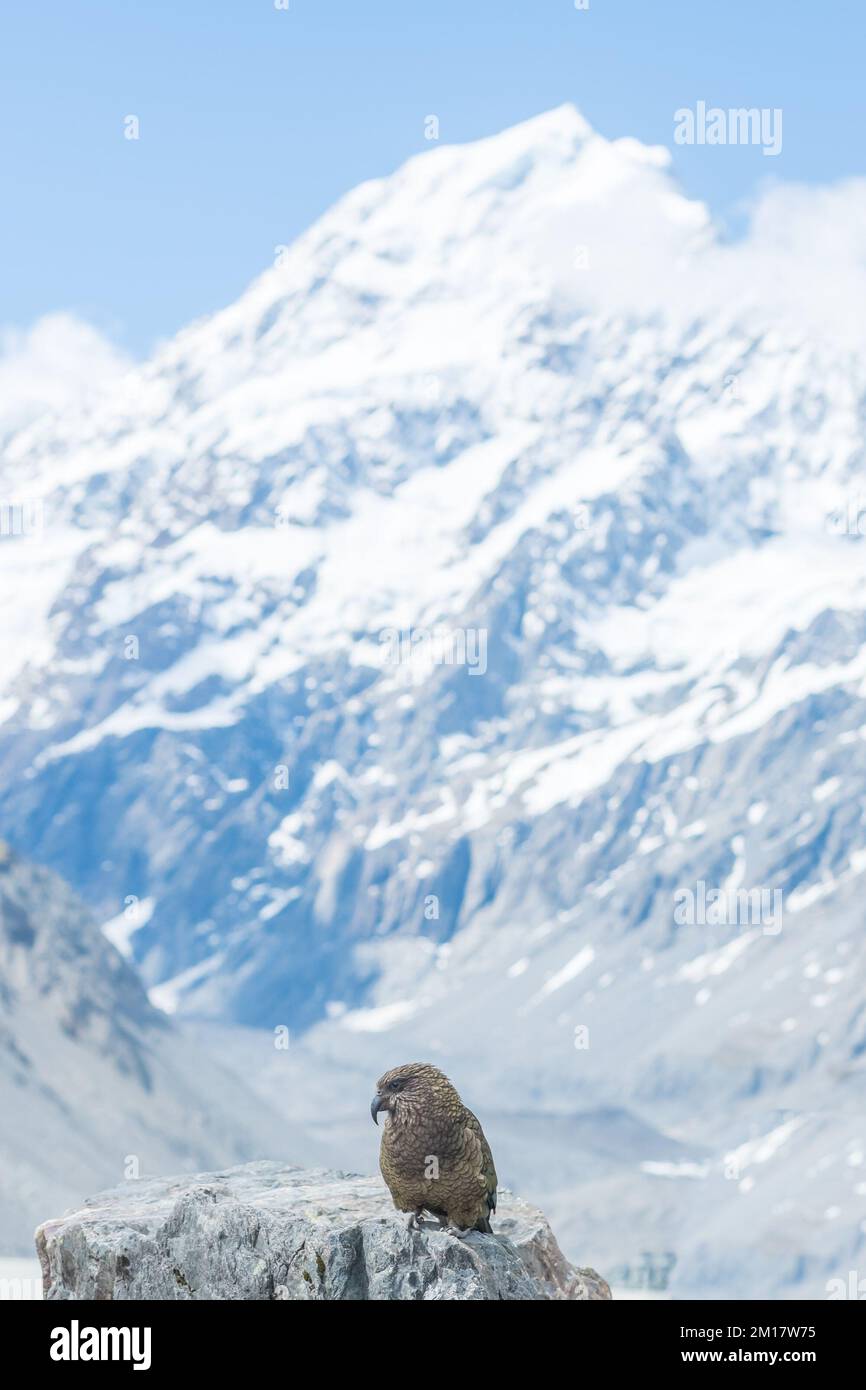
x=404 y=1091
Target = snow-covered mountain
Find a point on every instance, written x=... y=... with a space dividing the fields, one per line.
x=407 y=642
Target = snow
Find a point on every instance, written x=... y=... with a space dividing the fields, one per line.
x=167 y=996
x=132 y=719
x=763 y=1149
x=285 y=842
x=827 y=789
x=716 y=962
x=379 y=1020
x=569 y=971
x=120 y=929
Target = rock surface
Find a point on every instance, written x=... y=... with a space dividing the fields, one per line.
x=272 y=1231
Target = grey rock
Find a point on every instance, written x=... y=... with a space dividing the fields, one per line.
x=272 y=1231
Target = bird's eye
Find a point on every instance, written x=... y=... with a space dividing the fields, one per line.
x=396 y=1085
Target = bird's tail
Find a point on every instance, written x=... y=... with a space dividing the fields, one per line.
x=483 y=1225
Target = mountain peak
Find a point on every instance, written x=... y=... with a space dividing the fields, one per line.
x=507 y=220
x=558 y=124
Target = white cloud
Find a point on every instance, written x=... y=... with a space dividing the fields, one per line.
x=805 y=256
x=59 y=362
x=801 y=262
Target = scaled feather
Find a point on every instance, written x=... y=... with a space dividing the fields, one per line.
x=434 y=1155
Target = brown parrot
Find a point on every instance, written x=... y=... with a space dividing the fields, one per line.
x=434 y=1156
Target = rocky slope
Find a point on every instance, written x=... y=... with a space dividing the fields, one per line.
x=267 y=1231
x=95 y=1084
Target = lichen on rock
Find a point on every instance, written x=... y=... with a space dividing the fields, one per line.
x=272 y=1231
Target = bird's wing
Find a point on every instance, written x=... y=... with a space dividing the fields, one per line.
x=480 y=1149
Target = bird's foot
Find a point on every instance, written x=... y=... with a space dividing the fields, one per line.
x=414 y=1223
x=459 y=1231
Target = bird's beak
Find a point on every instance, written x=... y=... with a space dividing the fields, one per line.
x=376 y=1104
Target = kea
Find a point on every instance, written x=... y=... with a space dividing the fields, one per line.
x=434 y=1156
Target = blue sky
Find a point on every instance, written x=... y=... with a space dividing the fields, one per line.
x=253 y=120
